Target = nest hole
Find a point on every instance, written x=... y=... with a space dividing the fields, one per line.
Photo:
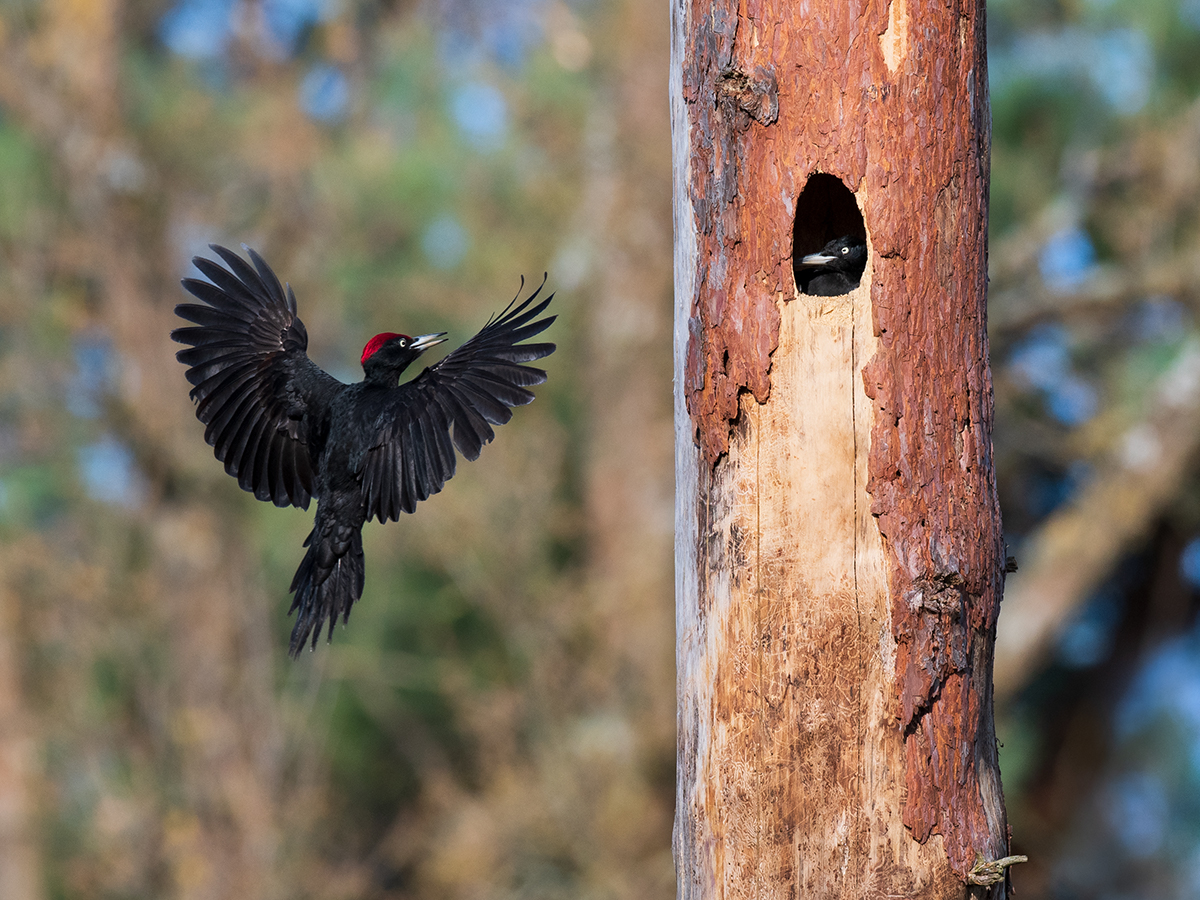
x=827 y=212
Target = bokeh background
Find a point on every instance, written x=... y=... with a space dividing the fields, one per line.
x=498 y=719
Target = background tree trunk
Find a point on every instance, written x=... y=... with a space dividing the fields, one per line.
x=839 y=551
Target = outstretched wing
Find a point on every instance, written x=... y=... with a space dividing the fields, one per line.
x=264 y=401
x=453 y=403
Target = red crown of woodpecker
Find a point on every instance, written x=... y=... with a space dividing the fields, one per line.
x=376 y=342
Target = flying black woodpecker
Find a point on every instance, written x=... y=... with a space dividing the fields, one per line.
x=289 y=431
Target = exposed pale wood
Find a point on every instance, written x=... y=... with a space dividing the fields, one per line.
x=786 y=659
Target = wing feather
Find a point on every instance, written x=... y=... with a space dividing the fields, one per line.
x=235 y=291
x=431 y=464
x=245 y=457
x=407 y=503
x=505 y=392
x=471 y=432
x=484 y=402
x=265 y=461
x=292 y=481
x=264 y=403
x=218 y=300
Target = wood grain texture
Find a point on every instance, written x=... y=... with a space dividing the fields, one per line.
x=839 y=554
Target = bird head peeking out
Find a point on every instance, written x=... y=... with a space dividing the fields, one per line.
x=836 y=269
x=387 y=355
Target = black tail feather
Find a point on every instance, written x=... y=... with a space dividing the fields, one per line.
x=326 y=586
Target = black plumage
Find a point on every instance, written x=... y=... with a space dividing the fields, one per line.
x=836 y=269
x=289 y=431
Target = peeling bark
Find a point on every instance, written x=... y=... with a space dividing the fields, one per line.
x=839 y=553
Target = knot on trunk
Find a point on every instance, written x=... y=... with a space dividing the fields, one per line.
x=757 y=96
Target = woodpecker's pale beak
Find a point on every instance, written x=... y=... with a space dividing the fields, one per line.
x=817 y=259
x=423 y=342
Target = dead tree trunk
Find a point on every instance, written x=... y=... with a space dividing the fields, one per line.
x=839 y=552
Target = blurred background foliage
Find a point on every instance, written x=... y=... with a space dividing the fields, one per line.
x=498 y=718
x=1095 y=285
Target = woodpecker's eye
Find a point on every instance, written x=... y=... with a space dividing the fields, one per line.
x=403 y=342
x=845 y=250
